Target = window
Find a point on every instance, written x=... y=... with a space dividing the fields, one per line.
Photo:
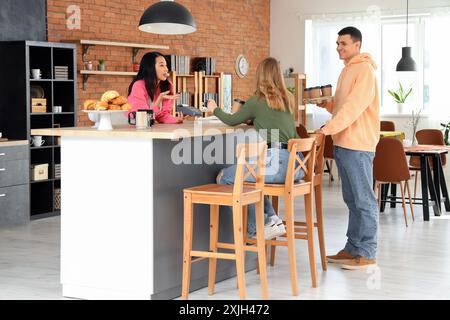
x=384 y=39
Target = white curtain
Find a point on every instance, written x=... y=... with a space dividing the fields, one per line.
x=437 y=64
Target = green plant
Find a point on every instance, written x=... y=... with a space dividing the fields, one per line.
x=291 y=89
x=400 y=95
x=101 y=61
x=446 y=128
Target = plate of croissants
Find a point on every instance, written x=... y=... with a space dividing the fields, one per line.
x=110 y=101
x=100 y=111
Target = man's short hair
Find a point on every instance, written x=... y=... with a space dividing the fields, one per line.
x=353 y=32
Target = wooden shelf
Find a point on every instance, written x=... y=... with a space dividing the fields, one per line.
x=87 y=73
x=108 y=73
x=86 y=44
x=123 y=44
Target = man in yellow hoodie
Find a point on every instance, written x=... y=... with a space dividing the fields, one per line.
x=355 y=129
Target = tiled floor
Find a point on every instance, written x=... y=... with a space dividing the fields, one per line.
x=414 y=262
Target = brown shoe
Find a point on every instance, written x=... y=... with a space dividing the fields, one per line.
x=359 y=263
x=342 y=257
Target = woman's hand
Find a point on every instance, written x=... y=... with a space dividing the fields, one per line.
x=180 y=117
x=212 y=105
x=165 y=96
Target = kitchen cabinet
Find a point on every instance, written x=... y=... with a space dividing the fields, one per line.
x=58 y=86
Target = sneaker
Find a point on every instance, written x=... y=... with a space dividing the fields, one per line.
x=279 y=223
x=271 y=231
x=342 y=257
x=359 y=263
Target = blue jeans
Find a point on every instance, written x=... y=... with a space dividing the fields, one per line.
x=356 y=171
x=276 y=167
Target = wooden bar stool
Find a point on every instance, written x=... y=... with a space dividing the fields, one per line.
x=236 y=196
x=290 y=190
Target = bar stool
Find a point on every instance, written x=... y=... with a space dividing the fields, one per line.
x=318 y=175
x=290 y=190
x=236 y=196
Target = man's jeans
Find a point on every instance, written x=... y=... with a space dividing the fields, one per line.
x=356 y=171
x=276 y=167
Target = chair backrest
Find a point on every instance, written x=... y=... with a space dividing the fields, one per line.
x=256 y=152
x=387 y=126
x=302 y=131
x=430 y=137
x=295 y=164
x=320 y=148
x=328 y=151
x=390 y=164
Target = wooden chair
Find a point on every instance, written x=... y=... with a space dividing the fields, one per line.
x=387 y=126
x=290 y=190
x=318 y=175
x=430 y=137
x=302 y=131
x=329 y=157
x=390 y=166
x=235 y=196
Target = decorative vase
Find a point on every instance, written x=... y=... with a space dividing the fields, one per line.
x=89 y=65
x=101 y=67
x=400 y=108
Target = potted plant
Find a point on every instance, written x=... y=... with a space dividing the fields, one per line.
x=446 y=128
x=400 y=96
x=101 y=64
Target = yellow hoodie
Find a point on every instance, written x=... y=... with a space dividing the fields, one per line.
x=356 y=120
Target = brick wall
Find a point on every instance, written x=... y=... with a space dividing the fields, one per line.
x=225 y=29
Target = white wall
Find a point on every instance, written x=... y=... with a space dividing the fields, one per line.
x=287 y=32
x=287 y=37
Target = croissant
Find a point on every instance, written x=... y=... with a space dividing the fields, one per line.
x=89 y=104
x=114 y=107
x=120 y=100
x=101 y=105
x=109 y=95
x=126 y=107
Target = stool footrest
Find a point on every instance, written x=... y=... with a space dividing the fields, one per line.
x=231 y=246
x=205 y=254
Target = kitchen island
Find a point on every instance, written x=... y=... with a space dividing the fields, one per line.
x=122 y=207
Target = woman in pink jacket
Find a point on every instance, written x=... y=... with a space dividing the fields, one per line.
x=151 y=89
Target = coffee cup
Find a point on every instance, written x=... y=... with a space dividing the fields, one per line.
x=36 y=73
x=142 y=118
x=37 y=141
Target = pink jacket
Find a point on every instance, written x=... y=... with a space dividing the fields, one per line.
x=139 y=99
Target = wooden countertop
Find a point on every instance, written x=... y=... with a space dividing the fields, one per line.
x=159 y=131
x=11 y=143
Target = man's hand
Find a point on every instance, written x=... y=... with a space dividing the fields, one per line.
x=322 y=104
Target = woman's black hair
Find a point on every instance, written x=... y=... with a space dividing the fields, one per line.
x=147 y=72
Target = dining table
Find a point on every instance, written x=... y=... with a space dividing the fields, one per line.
x=432 y=180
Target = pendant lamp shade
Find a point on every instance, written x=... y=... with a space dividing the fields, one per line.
x=167 y=17
x=406 y=63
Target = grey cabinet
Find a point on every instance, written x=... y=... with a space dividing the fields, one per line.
x=58 y=86
x=14 y=185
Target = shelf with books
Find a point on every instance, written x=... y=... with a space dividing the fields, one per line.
x=296 y=82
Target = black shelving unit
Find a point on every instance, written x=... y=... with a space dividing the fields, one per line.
x=17 y=58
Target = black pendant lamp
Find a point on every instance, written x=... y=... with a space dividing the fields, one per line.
x=167 y=17
x=406 y=63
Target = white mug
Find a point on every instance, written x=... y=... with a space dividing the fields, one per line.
x=36 y=73
x=37 y=141
x=57 y=109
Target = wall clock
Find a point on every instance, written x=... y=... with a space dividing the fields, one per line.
x=242 y=66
